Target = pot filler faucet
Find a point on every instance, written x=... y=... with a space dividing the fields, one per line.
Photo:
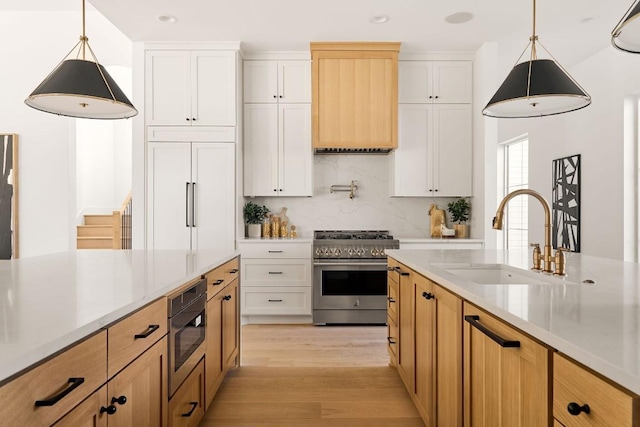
x=538 y=257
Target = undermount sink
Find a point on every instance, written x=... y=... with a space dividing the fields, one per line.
x=500 y=274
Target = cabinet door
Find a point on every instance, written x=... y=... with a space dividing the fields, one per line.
x=169 y=196
x=213 y=359
x=415 y=82
x=186 y=407
x=448 y=356
x=452 y=82
x=144 y=386
x=87 y=414
x=346 y=114
x=406 y=349
x=452 y=150
x=260 y=150
x=261 y=82
x=168 y=95
x=213 y=181
x=411 y=170
x=294 y=82
x=230 y=325
x=213 y=83
x=425 y=362
x=296 y=155
x=504 y=385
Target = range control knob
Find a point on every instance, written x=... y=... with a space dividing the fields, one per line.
x=382 y=252
x=350 y=251
x=338 y=252
x=326 y=251
x=375 y=252
x=318 y=251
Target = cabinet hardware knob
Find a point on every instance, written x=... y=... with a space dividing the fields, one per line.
x=436 y=189
x=427 y=295
x=110 y=410
x=73 y=384
x=218 y=282
x=280 y=96
x=234 y=271
x=226 y=297
x=119 y=400
x=575 y=409
x=194 y=119
x=390 y=300
x=437 y=97
x=188 y=119
x=275 y=189
x=430 y=96
x=194 y=405
x=274 y=96
x=151 y=329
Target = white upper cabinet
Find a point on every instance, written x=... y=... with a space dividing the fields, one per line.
x=274 y=81
x=190 y=88
x=278 y=156
x=434 y=153
x=435 y=82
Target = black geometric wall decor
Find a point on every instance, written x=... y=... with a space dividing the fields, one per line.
x=8 y=196
x=566 y=203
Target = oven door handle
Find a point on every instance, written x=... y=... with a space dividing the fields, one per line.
x=383 y=266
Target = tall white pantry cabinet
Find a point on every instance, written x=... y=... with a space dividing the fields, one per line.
x=191 y=117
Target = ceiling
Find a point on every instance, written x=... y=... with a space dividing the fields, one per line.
x=570 y=29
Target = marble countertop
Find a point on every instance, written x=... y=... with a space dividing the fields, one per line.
x=596 y=324
x=437 y=240
x=278 y=240
x=49 y=302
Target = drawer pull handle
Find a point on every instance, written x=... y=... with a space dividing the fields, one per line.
x=427 y=295
x=390 y=300
x=391 y=340
x=194 y=405
x=275 y=252
x=74 y=383
x=275 y=272
x=119 y=400
x=275 y=300
x=575 y=409
x=218 y=282
x=474 y=321
x=151 y=329
x=234 y=271
x=110 y=410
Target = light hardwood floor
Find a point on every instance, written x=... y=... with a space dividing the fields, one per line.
x=310 y=376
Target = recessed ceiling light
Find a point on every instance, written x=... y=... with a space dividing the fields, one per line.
x=167 y=19
x=379 y=19
x=459 y=18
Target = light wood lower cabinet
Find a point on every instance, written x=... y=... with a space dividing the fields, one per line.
x=583 y=399
x=506 y=374
x=137 y=396
x=187 y=405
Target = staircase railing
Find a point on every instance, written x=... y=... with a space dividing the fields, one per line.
x=122 y=225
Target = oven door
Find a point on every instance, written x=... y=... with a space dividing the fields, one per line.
x=186 y=341
x=350 y=286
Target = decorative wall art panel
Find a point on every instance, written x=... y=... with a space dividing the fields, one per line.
x=566 y=203
x=9 y=196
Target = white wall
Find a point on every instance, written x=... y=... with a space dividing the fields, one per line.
x=370 y=209
x=33 y=44
x=597 y=133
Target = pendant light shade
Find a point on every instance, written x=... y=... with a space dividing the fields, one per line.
x=536 y=87
x=81 y=88
x=626 y=35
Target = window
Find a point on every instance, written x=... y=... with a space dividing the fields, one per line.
x=516 y=176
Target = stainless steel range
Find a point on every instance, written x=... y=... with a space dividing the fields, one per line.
x=350 y=276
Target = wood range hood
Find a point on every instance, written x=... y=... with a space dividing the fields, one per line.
x=354 y=97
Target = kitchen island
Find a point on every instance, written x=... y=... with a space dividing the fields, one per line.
x=590 y=316
x=50 y=302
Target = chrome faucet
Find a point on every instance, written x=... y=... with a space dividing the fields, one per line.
x=539 y=257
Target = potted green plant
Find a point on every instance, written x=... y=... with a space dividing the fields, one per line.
x=254 y=215
x=459 y=211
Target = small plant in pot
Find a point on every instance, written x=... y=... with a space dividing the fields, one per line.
x=253 y=216
x=459 y=211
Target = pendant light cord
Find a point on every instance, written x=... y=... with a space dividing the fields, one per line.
x=83 y=38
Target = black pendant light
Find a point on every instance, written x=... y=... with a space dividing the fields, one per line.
x=82 y=88
x=626 y=35
x=536 y=87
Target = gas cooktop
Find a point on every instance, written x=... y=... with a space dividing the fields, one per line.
x=352 y=235
x=353 y=244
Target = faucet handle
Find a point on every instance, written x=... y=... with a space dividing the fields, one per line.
x=560 y=261
x=537 y=256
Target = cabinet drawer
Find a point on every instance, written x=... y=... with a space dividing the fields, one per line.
x=392 y=339
x=85 y=364
x=221 y=276
x=275 y=250
x=186 y=407
x=276 y=273
x=392 y=301
x=131 y=336
x=276 y=300
x=608 y=405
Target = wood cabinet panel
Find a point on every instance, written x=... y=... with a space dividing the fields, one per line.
x=187 y=405
x=406 y=332
x=425 y=362
x=86 y=361
x=133 y=335
x=214 y=369
x=230 y=326
x=87 y=414
x=608 y=405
